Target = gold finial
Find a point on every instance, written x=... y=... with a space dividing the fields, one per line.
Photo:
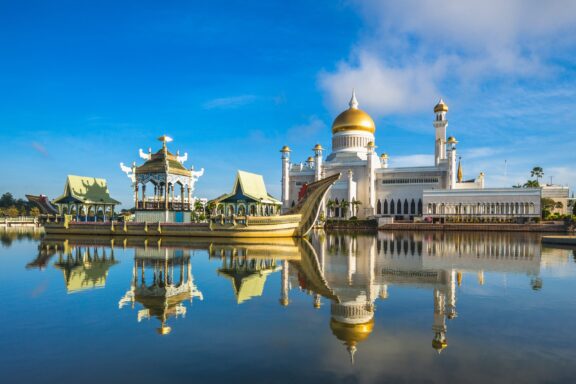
x=441 y=106
x=285 y=149
x=460 y=175
x=164 y=139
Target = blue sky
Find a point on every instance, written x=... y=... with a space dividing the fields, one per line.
x=84 y=85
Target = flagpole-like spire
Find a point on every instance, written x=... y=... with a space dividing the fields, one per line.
x=353 y=102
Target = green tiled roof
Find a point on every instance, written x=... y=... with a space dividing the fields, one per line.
x=87 y=190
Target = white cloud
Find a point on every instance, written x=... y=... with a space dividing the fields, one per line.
x=414 y=50
x=230 y=102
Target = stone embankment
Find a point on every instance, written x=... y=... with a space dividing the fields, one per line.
x=19 y=222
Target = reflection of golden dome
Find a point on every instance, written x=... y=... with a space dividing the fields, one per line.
x=439 y=345
x=164 y=330
x=353 y=119
x=351 y=334
x=441 y=107
x=284 y=302
x=285 y=149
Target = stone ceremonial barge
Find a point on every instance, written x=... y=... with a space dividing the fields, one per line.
x=249 y=211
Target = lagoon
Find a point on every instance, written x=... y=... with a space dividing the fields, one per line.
x=338 y=307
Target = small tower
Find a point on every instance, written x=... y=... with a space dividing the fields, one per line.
x=440 y=123
x=452 y=171
x=285 y=177
x=285 y=286
x=318 y=161
x=372 y=160
x=384 y=160
x=439 y=327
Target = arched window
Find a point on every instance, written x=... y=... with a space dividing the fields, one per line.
x=392 y=207
x=378 y=208
x=399 y=207
x=252 y=210
x=419 y=206
x=385 y=207
x=405 y=206
x=293 y=203
x=413 y=207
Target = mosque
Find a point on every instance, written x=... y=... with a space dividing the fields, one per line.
x=370 y=188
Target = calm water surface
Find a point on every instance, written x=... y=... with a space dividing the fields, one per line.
x=392 y=307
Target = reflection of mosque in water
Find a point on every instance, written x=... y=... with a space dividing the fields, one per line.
x=161 y=281
x=354 y=271
x=351 y=272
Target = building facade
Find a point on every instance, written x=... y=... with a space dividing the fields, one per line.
x=370 y=188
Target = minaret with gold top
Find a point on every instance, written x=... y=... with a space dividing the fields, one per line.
x=440 y=124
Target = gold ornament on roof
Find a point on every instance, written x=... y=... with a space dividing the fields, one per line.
x=353 y=119
x=441 y=106
x=285 y=149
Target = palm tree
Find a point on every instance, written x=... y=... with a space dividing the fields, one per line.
x=532 y=184
x=537 y=172
x=330 y=204
x=344 y=206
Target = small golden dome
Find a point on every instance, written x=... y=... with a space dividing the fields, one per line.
x=439 y=345
x=310 y=159
x=384 y=156
x=351 y=334
x=441 y=107
x=353 y=119
x=317 y=147
x=285 y=149
x=370 y=144
x=452 y=140
x=164 y=330
x=284 y=302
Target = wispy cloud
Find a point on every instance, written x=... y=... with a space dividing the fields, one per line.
x=412 y=51
x=412 y=160
x=229 y=102
x=40 y=149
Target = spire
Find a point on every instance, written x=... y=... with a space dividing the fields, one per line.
x=352 y=351
x=353 y=102
x=460 y=169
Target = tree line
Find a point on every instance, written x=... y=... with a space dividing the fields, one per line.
x=11 y=207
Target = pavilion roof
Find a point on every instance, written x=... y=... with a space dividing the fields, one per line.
x=251 y=186
x=163 y=161
x=86 y=190
x=246 y=284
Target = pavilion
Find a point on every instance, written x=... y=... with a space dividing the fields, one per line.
x=86 y=197
x=161 y=175
x=248 y=198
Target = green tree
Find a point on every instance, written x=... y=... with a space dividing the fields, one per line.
x=7 y=200
x=531 y=184
x=547 y=205
x=537 y=172
x=12 y=212
x=330 y=204
x=344 y=205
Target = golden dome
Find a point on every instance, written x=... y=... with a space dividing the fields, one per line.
x=317 y=147
x=441 y=107
x=452 y=140
x=351 y=334
x=439 y=345
x=353 y=119
x=370 y=144
x=310 y=159
x=285 y=149
x=384 y=156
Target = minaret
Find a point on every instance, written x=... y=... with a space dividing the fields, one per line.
x=452 y=172
x=439 y=327
x=318 y=161
x=350 y=191
x=451 y=295
x=284 y=300
x=384 y=160
x=440 y=123
x=285 y=177
x=371 y=163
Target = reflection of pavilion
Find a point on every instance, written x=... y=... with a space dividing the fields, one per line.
x=84 y=267
x=248 y=267
x=161 y=281
x=352 y=272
